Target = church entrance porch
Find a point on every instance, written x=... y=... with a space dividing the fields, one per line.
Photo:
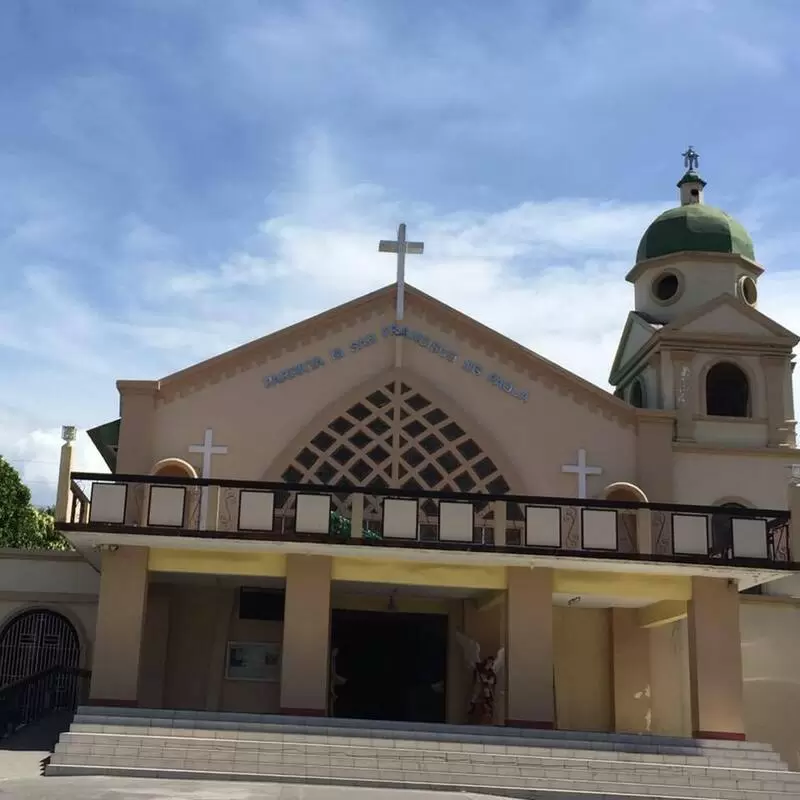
x=388 y=665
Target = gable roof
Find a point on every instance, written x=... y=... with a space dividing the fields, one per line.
x=769 y=326
x=257 y=352
x=637 y=334
x=106 y=439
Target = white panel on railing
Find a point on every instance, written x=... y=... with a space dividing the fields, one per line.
x=456 y=521
x=750 y=538
x=256 y=510
x=166 y=506
x=400 y=518
x=690 y=534
x=313 y=513
x=543 y=526
x=107 y=503
x=599 y=529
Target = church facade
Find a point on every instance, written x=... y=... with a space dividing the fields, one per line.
x=391 y=511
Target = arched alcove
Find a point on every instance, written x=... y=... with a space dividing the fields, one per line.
x=727 y=391
x=627 y=519
x=173 y=468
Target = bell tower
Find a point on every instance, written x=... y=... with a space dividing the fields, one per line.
x=696 y=342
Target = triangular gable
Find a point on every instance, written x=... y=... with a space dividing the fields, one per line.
x=256 y=352
x=728 y=316
x=636 y=334
x=106 y=439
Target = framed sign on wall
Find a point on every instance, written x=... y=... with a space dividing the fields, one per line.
x=253 y=661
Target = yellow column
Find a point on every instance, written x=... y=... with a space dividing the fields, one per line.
x=631 y=659
x=529 y=639
x=305 y=662
x=120 y=620
x=63 y=493
x=715 y=660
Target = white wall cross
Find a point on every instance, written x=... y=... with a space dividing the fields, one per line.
x=401 y=247
x=207 y=449
x=581 y=470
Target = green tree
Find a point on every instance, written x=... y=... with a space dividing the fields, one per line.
x=21 y=524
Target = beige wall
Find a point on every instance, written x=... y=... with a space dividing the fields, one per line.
x=704 y=478
x=509 y=434
x=54 y=581
x=182 y=422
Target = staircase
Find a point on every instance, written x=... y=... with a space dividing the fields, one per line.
x=507 y=761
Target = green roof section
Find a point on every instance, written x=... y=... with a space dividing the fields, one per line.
x=106 y=439
x=690 y=176
x=695 y=227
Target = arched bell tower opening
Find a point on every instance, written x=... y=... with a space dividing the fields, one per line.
x=400 y=436
x=727 y=391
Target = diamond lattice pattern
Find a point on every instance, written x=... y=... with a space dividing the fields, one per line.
x=432 y=450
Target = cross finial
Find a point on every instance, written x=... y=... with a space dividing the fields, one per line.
x=401 y=247
x=691 y=158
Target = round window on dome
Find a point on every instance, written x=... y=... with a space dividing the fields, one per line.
x=748 y=291
x=667 y=287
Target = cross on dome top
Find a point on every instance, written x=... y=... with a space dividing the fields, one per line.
x=691 y=159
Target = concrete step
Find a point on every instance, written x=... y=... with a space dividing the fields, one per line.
x=524 y=764
x=144 y=721
x=78 y=739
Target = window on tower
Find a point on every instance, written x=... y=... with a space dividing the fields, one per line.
x=727 y=391
x=636 y=395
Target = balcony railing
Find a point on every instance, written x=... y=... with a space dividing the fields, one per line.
x=379 y=516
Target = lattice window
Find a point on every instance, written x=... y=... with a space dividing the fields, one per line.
x=396 y=437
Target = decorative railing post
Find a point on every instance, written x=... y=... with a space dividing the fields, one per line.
x=357 y=515
x=644 y=531
x=500 y=521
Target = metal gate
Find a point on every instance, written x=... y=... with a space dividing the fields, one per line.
x=35 y=641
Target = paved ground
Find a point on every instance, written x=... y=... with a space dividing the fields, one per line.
x=146 y=789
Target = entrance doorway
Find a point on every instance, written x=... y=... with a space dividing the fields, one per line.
x=395 y=665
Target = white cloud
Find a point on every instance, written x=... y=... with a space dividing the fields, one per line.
x=549 y=275
x=35 y=453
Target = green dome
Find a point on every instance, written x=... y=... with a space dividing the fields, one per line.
x=696 y=227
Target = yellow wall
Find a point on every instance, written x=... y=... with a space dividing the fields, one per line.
x=583 y=677
x=771 y=665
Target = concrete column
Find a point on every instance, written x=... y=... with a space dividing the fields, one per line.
x=529 y=642
x=631 y=660
x=794 y=522
x=63 y=492
x=305 y=662
x=137 y=409
x=654 y=435
x=775 y=374
x=715 y=660
x=686 y=394
x=120 y=622
x=135 y=453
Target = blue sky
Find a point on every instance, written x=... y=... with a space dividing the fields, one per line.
x=180 y=177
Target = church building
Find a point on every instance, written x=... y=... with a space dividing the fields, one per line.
x=391 y=512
